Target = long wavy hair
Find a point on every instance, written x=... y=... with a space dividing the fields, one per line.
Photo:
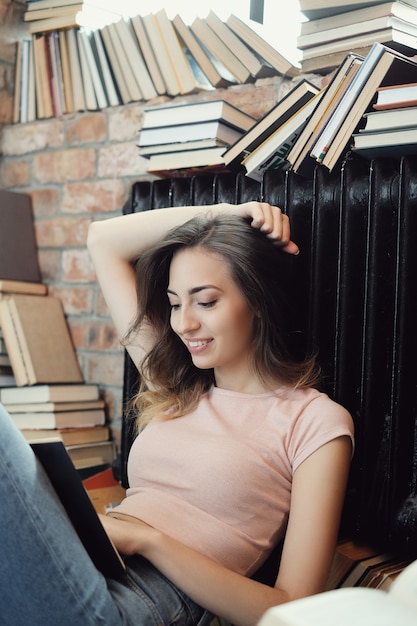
x=260 y=270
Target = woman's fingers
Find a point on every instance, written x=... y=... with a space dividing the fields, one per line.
x=273 y=222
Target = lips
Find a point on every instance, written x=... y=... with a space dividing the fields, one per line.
x=197 y=345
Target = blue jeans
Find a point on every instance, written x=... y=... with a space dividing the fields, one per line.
x=47 y=577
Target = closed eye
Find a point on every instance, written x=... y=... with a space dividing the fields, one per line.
x=207 y=305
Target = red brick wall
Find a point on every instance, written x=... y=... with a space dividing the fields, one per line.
x=78 y=169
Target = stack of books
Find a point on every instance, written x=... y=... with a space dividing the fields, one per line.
x=61 y=69
x=41 y=384
x=391 y=127
x=71 y=413
x=311 y=126
x=44 y=15
x=176 y=139
x=335 y=28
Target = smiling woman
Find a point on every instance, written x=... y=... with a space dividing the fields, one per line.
x=237 y=447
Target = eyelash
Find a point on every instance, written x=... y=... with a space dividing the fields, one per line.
x=204 y=305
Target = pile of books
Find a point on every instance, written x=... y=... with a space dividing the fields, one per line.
x=71 y=413
x=310 y=126
x=177 y=139
x=41 y=383
x=43 y=15
x=337 y=27
x=62 y=70
x=391 y=127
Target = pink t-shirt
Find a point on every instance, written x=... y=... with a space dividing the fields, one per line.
x=219 y=479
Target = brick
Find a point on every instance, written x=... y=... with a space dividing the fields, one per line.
x=102 y=336
x=64 y=165
x=125 y=123
x=76 y=266
x=45 y=202
x=120 y=160
x=86 y=129
x=14 y=174
x=50 y=264
x=27 y=138
x=78 y=334
x=106 y=369
x=93 y=197
x=6 y=107
x=75 y=300
x=61 y=232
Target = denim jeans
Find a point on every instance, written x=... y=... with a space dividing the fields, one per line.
x=47 y=577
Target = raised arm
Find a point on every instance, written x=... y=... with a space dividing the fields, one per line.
x=115 y=244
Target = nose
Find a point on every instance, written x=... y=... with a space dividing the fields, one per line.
x=185 y=320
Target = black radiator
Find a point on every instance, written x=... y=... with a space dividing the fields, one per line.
x=355 y=288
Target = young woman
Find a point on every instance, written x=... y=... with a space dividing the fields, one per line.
x=236 y=447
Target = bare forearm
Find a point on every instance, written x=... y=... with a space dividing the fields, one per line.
x=240 y=600
x=126 y=237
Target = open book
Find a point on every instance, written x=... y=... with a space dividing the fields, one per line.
x=360 y=606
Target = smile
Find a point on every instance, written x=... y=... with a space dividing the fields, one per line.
x=198 y=343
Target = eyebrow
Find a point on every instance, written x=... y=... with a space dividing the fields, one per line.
x=195 y=289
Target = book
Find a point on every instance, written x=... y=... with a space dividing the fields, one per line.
x=75 y=70
x=95 y=96
x=299 y=154
x=88 y=16
x=59 y=419
x=115 y=66
x=134 y=60
x=148 y=53
x=257 y=66
x=161 y=54
x=398 y=38
x=186 y=159
x=17 y=95
x=38 y=340
x=382 y=66
x=68 y=436
x=386 y=119
x=55 y=73
x=261 y=47
x=44 y=105
x=394 y=142
x=123 y=67
x=163 y=135
x=31 y=96
x=194 y=112
x=92 y=454
x=181 y=146
x=103 y=67
x=347 y=554
x=47 y=12
x=327 y=63
x=214 y=73
x=180 y=66
x=397 y=8
x=348 y=606
x=67 y=482
x=50 y=393
x=316 y=9
x=87 y=70
x=280 y=113
x=21 y=286
x=46 y=407
x=396 y=96
x=272 y=152
x=217 y=48
x=18 y=247
x=355 y=30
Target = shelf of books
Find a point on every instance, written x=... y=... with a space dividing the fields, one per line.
x=41 y=384
x=88 y=56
